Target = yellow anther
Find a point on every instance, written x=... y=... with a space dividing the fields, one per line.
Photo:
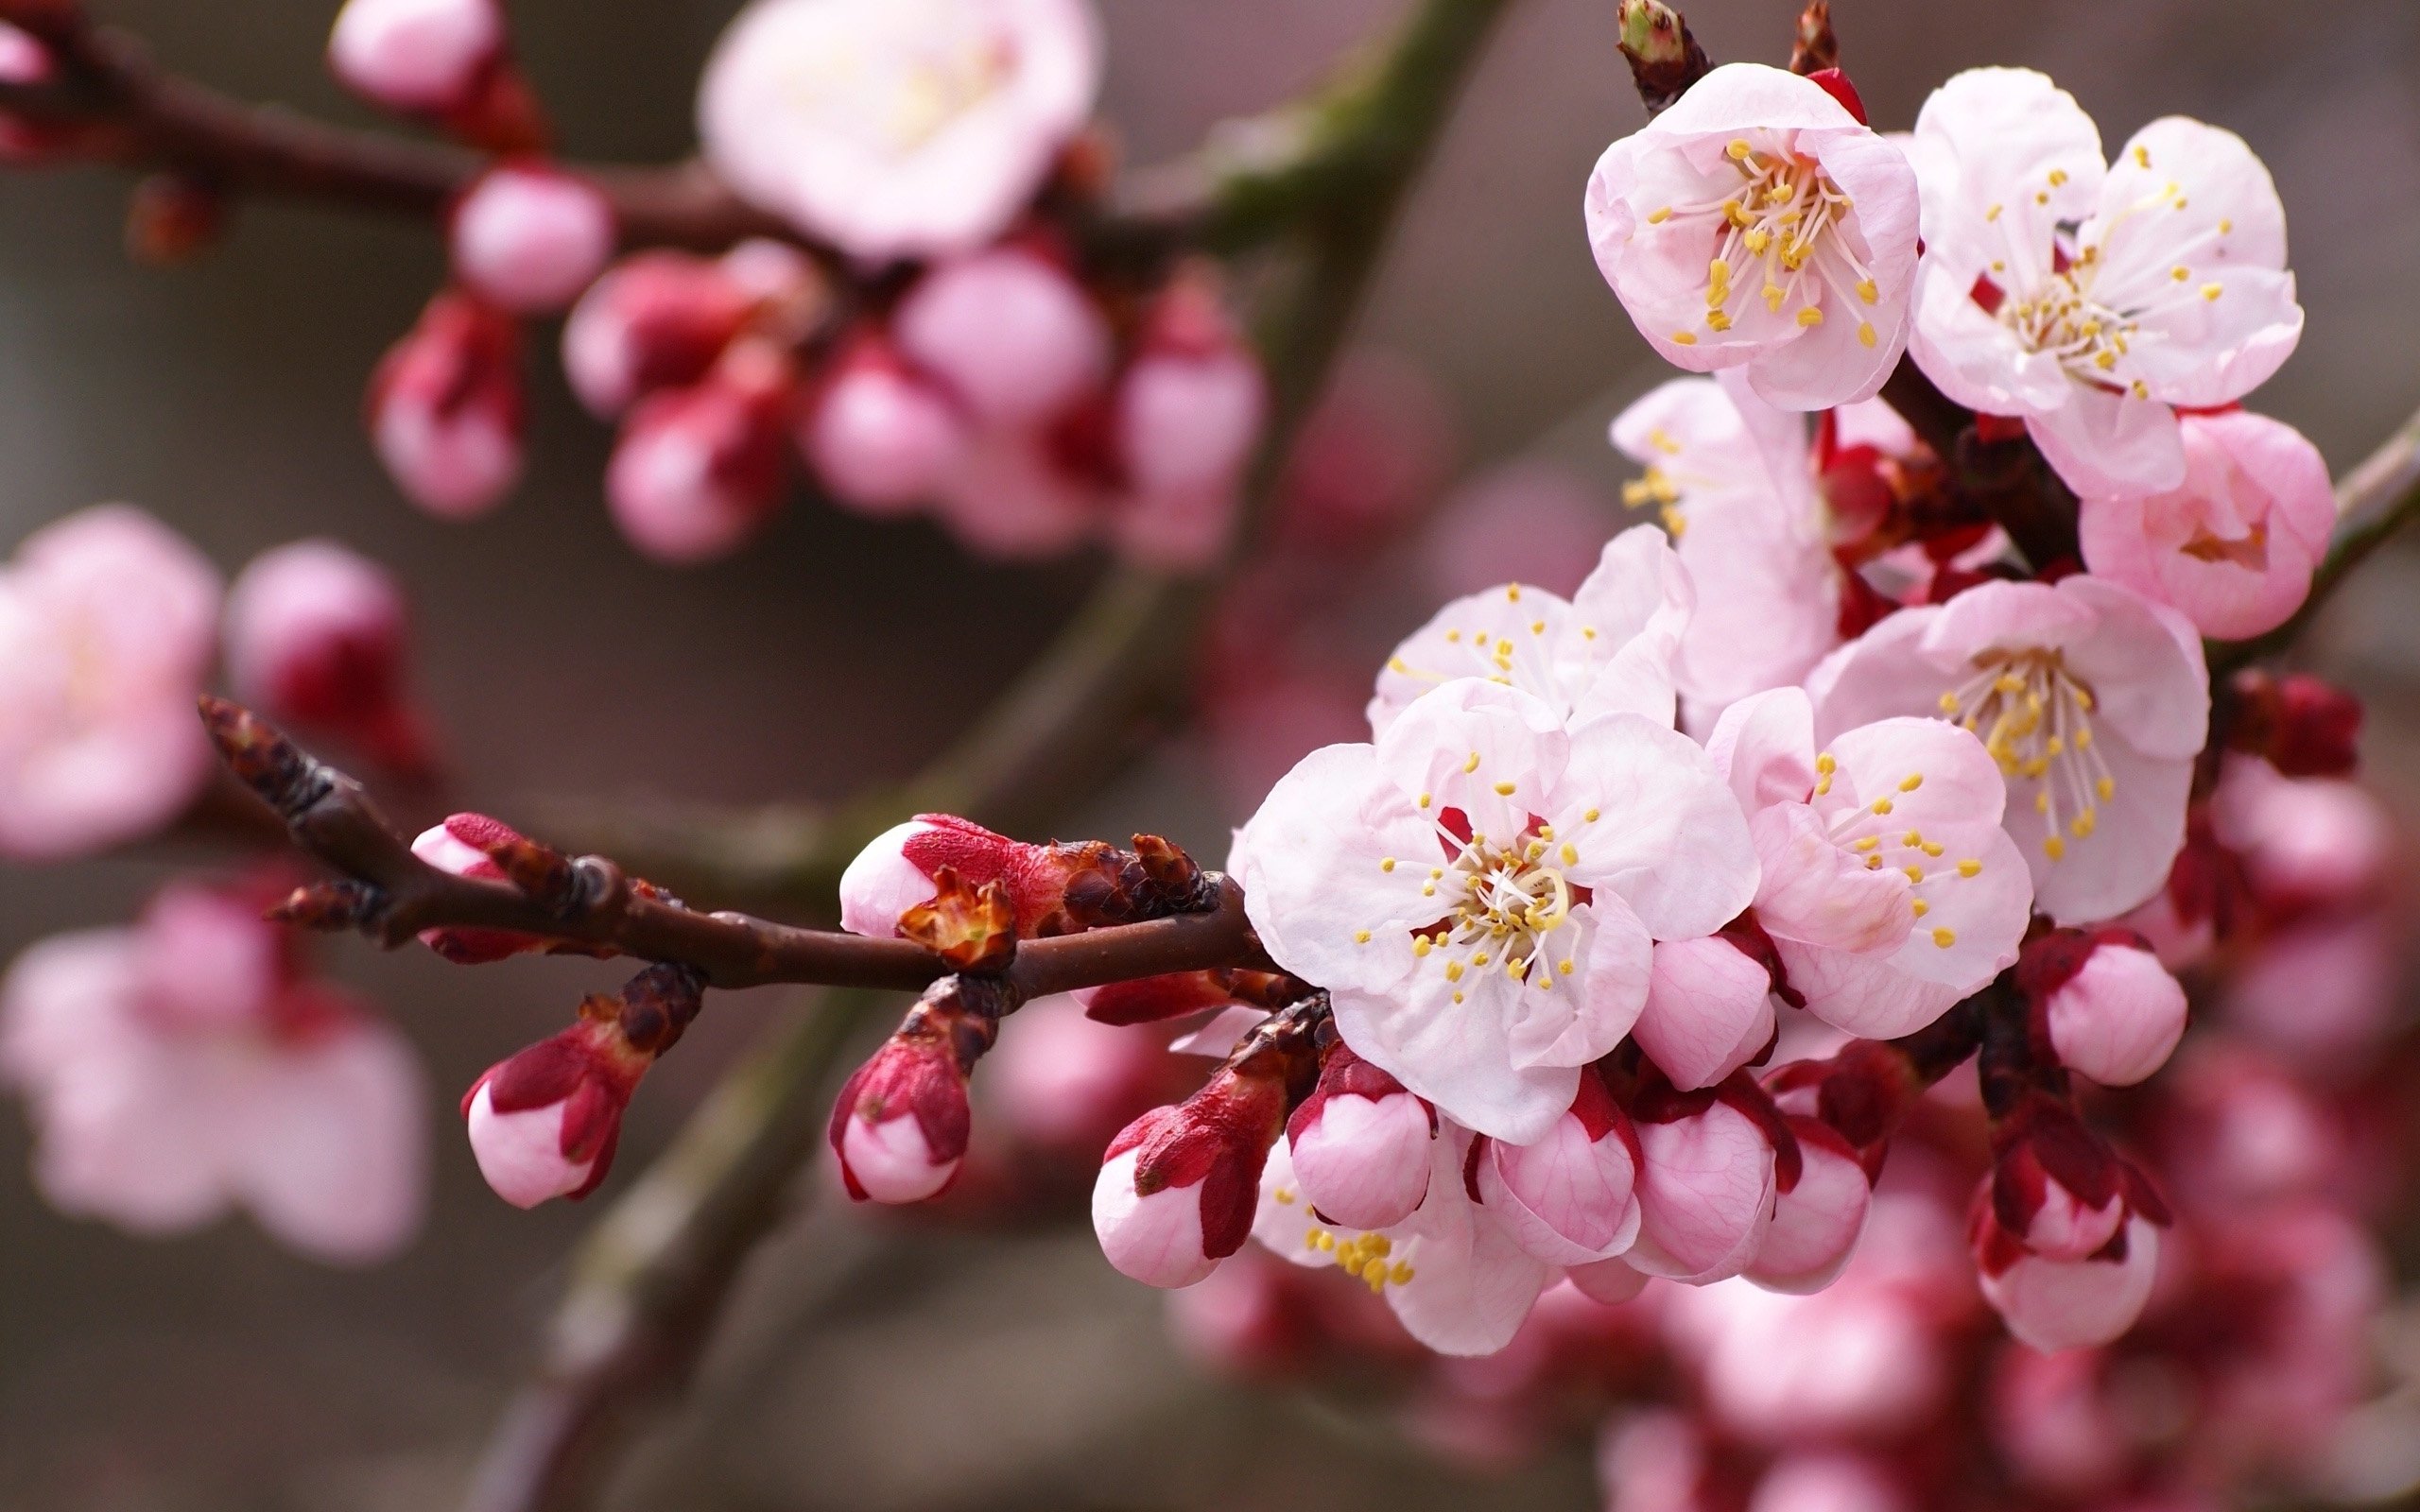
x=1930 y=848
x=1882 y=805
x=1757 y=240
x=1911 y=781
x=2008 y=683
x=1950 y=703
x=1504 y=789
x=1422 y=945
x=1480 y=959
x=1826 y=764
x=1872 y=842
x=1570 y=856
x=1683 y=338
x=2106 y=787
x=2105 y=359
x=2084 y=823
x=1992 y=214
x=1773 y=295
x=2042 y=802
x=1472 y=765
x=1386 y=864
x=1563 y=966
x=1513 y=592
x=1867 y=291
x=2054 y=846
x=2180 y=272
x=1537 y=626
x=2226 y=226
x=1913 y=837
x=1810 y=316
x=1970 y=868
x=1453 y=970
x=1285 y=1196
x=1453 y=637
x=1395 y=664
x=1865 y=336
x=1590 y=817
x=1919 y=906
x=1427 y=798
x=1657 y=218
x=2058 y=177
x=2142 y=157
x=1915 y=873
x=1945 y=937
x=1360 y=936
x=1739 y=150
x=1718 y=322
x=2211 y=291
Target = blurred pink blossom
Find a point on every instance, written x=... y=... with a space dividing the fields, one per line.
x=532 y=238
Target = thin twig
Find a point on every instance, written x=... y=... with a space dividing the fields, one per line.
x=392 y=896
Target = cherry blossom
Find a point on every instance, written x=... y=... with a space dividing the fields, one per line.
x=897 y=128
x=1360 y=1143
x=108 y=625
x=2171 y=290
x=1816 y=1224
x=1889 y=888
x=2093 y=700
x=532 y=238
x=700 y=469
x=1451 y=1272
x=1570 y=1197
x=1478 y=890
x=2234 y=545
x=1706 y=1190
x=1757 y=223
x=1709 y=1010
x=2112 y=1010
x=542 y=1123
x=1609 y=649
x=183 y=1067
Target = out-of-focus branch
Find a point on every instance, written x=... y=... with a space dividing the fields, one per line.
x=1115 y=657
x=649 y=1281
x=2373 y=502
x=392 y=895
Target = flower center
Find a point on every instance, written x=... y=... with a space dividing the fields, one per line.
x=1778 y=225
x=1869 y=831
x=900 y=88
x=1502 y=905
x=2035 y=720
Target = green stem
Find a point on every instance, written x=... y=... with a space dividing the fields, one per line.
x=652 y=1279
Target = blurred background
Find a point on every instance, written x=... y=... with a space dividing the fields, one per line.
x=866 y=1365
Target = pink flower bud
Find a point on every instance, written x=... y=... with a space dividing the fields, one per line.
x=1192 y=404
x=1054 y=888
x=23 y=59
x=530 y=238
x=423 y=56
x=1360 y=1144
x=455 y=846
x=315 y=636
x=900 y=1125
x=2114 y=1012
x=1569 y=1198
x=2065 y=1304
x=543 y=1124
x=2055 y=1187
x=446 y=409
x=700 y=469
x=1705 y=1188
x=1012 y=333
x=1709 y=1010
x=1178 y=1188
x=655 y=320
x=894 y=873
x=881 y=438
x=1826 y=1483
x=1816 y=1222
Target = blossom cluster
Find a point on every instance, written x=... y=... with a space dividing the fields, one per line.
x=946 y=353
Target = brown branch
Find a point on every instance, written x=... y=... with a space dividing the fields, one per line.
x=391 y=896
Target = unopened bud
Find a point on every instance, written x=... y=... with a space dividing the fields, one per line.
x=426 y=57
x=543 y=1123
x=2055 y=1187
x=1664 y=59
x=1709 y=1010
x=973 y=929
x=1705 y=1187
x=1191 y=405
x=1570 y=1199
x=2113 y=1011
x=882 y=438
x=530 y=238
x=446 y=409
x=700 y=469
x=2065 y=1304
x=1015 y=337
x=653 y=322
x=1816 y=1222
x=1056 y=889
x=900 y=1125
x=1360 y=1144
x=316 y=635
x=2302 y=724
x=461 y=846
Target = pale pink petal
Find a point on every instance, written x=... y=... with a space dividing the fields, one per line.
x=333 y=1152
x=1706 y=1191
x=1764 y=745
x=1155 y=1239
x=1646 y=815
x=2119 y=1018
x=1709 y=1010
x=2053 y=1304
x=1816 y=1224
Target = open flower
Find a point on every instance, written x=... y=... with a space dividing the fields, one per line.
x=1453 y=1274
x=2232 y=546
x=1757 y=223
x=1478 y=890
x=1608 y=649
x=183 y=1067
x=107 y=622
x=2093 y=702
x=897 y=128
x=2170 y=290
x=1890 y=890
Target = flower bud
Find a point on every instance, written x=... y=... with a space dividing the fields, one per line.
x=2055 y=1187
x=530 y=238
x=2303 y=726
x=2065 y=1304
x=1010 y=332
x=1055 y=889
x=1178 y=1188
x=458 y=846
x=446 y=410
x=1192 y=403
x=1709 y=1010
x=700 y=469
x=1816 y=1222
x=2114 y=1012
x=315 y=636
x=543 y=1123
x=881 y=438
x=1832 y=1482
x=655 y=320
x=1360 y=1144
x=1569 y=1198
x=900 y=1123
x=1705 y=1188
x=427 y=57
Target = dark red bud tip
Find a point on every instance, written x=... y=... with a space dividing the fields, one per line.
x=1817 y=50
x=329 y=905
x=540 y=871
x=1837 y=85
x=262 y=757
x=171 y=217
